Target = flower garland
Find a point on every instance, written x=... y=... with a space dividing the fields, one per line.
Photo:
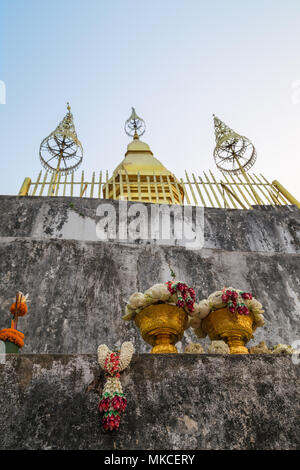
x=186 y=295
x=17 y=309
x=237 y=302
x=113 y=401
x=12 y=335
x=172 y=293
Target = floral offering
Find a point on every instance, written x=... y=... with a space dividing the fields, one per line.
x=17 y=309
x=237 y=301
x=171 y=292
x=113 y=401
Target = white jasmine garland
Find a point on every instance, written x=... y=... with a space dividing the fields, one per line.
x=113 y=401
x=102 y=352
x=159 y=292
x=126 y=353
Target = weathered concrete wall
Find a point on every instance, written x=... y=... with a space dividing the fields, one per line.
x=79 y=288
x=266 y=229
x=174 y=402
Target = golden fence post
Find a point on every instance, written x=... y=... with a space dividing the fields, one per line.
x=260 y=186
x=72 y=183
x=43 y=183
x=206 y=191
x=100 y=183
x=65 y=185
x=163 y=189
x=286 y=194
x=212 y=190
x=36 y=184
x=185 y=192
x=57 y=185
x=241 y=192
x=121 y=186
x=149 y=189
x=106 y=185
x=52 y=179
x=155 y=186
x=215 y=181
x=25 y=187
x=171 y=190
x=199 y=190
x=81 y=183
x=92 y=185
x=139 y=186
x=191 y=188
x=114 y=187
x=127 y=186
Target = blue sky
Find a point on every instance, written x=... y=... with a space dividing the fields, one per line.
x=177 y=62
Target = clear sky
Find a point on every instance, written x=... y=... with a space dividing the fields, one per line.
x=176 y=61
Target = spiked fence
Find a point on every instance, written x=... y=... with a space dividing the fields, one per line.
x=230 y=191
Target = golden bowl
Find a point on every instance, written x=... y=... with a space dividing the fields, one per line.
x=235 y=329
x=161 y=326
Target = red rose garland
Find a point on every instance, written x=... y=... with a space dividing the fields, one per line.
x=186 y=295
x=113 y=401
x=231 y=298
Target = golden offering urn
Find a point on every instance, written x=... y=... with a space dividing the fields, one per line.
x=235 y=329
x=162 y=326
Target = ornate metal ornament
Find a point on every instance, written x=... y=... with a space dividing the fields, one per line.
x=135 y=126
x=61 y=151
x=233 y=153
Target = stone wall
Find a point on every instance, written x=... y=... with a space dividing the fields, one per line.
x=174 y=402
x=79 y=285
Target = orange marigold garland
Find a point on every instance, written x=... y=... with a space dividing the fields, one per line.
x=14 y=336
x=113 y=401
x=17 y=309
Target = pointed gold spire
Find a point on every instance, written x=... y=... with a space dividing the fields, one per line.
x=233 y=153
x=135 y=126
x=136 y=178
x=61 y=151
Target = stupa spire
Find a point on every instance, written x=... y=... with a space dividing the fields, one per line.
x=135 y=126
x=233 y=153
x=61 y=151
x=140 y=176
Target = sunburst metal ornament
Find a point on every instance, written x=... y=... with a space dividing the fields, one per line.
x=135 y=126
x=61 y=151
x=233 y=153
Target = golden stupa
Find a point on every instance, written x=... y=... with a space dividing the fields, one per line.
x=140 y=176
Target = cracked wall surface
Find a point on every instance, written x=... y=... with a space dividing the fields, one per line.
x=174 y=402
x=79 y=286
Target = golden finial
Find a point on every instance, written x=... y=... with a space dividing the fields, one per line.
x=61 y=151
x=233 y=153
x=135 y=126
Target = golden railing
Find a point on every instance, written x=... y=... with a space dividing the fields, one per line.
x=230 y=191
